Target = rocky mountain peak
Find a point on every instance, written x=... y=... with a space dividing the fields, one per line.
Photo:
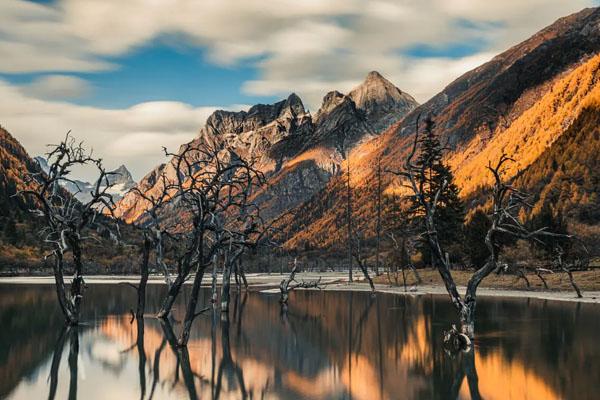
x=331 y=100
x=375 y=76
x=382 y=102
x=122 y=176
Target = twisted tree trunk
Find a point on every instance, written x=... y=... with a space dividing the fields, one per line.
x=144 y=273
x=190 y=313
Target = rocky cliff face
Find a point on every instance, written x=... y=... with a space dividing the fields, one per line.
x=298 y=153
x=269 y=133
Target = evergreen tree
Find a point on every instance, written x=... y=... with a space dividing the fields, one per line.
x=475 y=232
x=10 y=232
x=555 y=222
x=450 y=212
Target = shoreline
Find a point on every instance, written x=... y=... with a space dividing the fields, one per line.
x=269 y=283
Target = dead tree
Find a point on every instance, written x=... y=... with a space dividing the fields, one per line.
x=404 y=259
x=349 y=220
x=213 y=186
x=362 y=263
x=240 y=240
x=67 y=220
x=290 y=283
x=539 y=272
x=378 y=227
x=506 y=200
x=154 y=232
x=560 y=263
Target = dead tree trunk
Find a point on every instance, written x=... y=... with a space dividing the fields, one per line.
x=175 y=288
x=144 y=273
x=231 y=262
x=73 y=358
x=284 y=286
x=349 y=222
x=289 y=284
x=539 y=272
x=77 y=284
x=378 y=249
x=141 y=356
x=363 y=266
x=191 y=313
x=567 y=270
x=214 y=295
x=226 y=284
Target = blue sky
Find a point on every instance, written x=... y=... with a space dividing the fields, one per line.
x=131 y=76
x=162 y=70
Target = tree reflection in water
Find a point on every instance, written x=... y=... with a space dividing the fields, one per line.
x=328 y=345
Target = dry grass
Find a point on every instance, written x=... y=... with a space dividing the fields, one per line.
x=586 y=280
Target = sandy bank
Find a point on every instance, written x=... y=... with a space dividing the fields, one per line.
x=268 y=283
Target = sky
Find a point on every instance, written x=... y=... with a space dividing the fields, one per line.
x=128 y=77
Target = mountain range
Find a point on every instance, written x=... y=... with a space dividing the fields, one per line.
x=538 y=101
x=119 y=180
x=298 y=153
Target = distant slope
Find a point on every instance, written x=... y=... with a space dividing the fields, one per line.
x=14 y=165
x=520 y=102
x=566 y=176
x=120 y=180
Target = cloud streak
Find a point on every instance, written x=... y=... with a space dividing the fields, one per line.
x=57 y=87
x=303 y=46
x=133 y=135
x=78 y=35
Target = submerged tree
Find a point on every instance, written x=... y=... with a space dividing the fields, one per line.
x=155 y=230
x=213 y=189
x=66 y=219
x=506 y=202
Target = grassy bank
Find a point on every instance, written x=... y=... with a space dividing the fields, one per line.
x=586 y=280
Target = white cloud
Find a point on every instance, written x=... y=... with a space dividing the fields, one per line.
x=133 y=136
x=57 y=87
x=305 y=46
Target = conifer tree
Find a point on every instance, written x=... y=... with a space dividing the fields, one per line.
x=450 y=209
x=10 y=231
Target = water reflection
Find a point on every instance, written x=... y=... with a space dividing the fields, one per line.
x=327 y=346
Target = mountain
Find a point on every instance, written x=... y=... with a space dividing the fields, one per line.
x=298 y=153
x=14 y=164
x=382 y=102
x=521 y=102
x=120 y=180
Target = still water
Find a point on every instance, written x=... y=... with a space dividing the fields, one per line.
x=331 y=345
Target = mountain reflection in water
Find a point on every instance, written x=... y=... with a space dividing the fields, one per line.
x=329 y=346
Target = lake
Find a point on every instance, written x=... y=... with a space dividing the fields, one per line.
x=330 y=345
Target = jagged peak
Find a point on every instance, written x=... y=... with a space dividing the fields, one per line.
x=122 y=169
x=293 y=103
x=375 y=83
x=332 y=98
x=375 y=76
x=376 y=88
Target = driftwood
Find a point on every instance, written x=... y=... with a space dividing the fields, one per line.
x=290 y=283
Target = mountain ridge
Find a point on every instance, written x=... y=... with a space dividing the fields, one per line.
x=298 y=153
